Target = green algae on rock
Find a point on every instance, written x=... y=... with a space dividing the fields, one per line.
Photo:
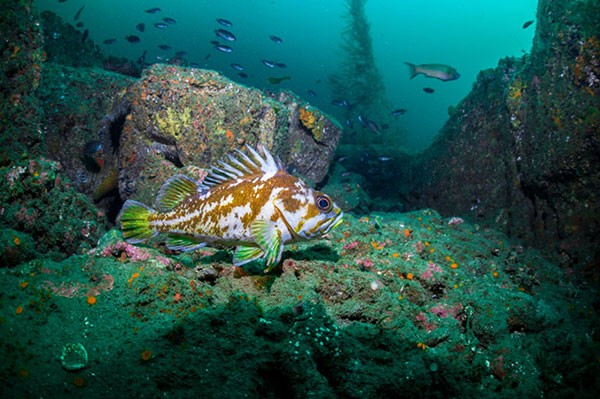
x=39 y=200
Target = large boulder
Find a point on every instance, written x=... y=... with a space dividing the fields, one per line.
x=176 y=117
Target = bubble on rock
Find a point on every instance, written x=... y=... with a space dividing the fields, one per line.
x=73 y=357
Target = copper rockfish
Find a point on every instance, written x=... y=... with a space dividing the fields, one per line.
x=247 y=201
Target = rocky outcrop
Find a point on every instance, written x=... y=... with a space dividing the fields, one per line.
x=21 y=58
x=522 y=151
x=178 y=117
x=75 y=102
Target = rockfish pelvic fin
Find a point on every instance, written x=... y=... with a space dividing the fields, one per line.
x=244 y=254
x=183 y=242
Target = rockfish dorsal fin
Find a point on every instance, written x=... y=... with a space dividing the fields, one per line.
x=242 y=165
x=174 y=191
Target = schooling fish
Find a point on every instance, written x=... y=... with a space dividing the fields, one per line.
x=154 y=10
x=398 y=112
x=132 y=39
x=248 y=201
x=276 y=39
x=78 y=13
x=225 y=35
x=223 y=48
x=224 y=22
x=527 y=24
x=438 y=71
x=275 y=80
x=341 y=103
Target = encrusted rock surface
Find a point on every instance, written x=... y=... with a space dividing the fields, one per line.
x=175 y=117
x=522 y=151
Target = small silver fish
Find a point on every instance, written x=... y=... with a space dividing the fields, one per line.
x=225 y=35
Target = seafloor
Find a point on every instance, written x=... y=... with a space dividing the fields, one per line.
x=387 y=305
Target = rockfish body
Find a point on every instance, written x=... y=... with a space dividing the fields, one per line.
x=247 y=201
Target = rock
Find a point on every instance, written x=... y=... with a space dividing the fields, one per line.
x=15 y=247
x=39 y=201
x=20 y=70
x=176 y=117
x=66 y=45
x=520 y=153
x=75 y=102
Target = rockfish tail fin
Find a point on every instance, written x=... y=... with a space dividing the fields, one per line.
x=412 y=69
x=135 y=224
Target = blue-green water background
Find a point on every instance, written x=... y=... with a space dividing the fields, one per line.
x=470 y=35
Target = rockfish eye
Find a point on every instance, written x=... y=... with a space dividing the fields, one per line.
x=324 y=203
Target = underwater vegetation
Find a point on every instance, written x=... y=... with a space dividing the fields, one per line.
x=359 y=85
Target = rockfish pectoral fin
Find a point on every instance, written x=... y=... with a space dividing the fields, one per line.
x=268 y=237
x=183 y=242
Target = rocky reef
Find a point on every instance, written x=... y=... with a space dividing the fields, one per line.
x=21 y=56
x=522 y=151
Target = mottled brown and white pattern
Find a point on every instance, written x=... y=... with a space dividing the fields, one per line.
x=248 y=201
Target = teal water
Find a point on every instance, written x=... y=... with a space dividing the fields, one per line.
x=469 y=35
